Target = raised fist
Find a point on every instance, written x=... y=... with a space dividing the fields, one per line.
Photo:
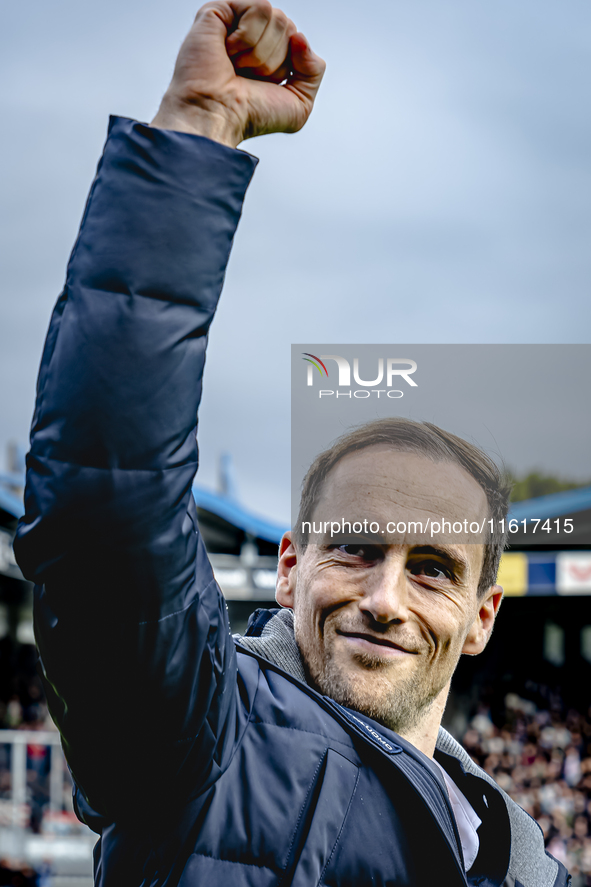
x=243 y=70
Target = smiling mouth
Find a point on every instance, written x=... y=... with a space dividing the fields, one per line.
x=373 y=640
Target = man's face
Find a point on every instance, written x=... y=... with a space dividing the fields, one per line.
x=381 y=621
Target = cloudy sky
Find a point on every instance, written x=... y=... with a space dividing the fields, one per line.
x=441 y=192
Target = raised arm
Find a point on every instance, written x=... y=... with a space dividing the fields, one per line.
x=132 y=632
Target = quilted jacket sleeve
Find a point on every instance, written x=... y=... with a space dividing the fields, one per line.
x=134 y=642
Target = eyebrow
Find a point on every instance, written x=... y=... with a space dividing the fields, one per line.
x=368 y=538
x=451 y=555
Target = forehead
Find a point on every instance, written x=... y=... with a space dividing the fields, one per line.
x=386 y=485
x=383 y=474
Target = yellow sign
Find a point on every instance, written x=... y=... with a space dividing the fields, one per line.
x=513 y=574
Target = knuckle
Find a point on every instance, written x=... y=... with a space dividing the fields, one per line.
x=208 y=11
x=208 y=7
x=280 y=18
x=264 y=8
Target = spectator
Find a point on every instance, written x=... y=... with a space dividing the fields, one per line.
x=543 y=761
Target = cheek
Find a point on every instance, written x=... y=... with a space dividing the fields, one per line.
x=318 y=592
x=444 y=622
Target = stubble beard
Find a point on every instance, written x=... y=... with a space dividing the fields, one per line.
x=371 y=687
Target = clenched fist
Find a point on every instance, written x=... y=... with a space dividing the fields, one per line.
x=243 y=70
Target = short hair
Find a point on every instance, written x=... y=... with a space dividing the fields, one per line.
x=407 y=435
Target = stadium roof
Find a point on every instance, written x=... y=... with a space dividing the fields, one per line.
x=227 y=508
x=554 y=505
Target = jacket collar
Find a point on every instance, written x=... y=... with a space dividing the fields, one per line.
x=270 y=634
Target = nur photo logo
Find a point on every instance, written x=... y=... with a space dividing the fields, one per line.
x=389 y=370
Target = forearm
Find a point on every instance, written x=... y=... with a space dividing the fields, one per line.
x=142 y=286
x=119 y=384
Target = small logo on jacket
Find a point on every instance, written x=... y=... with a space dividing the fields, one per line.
x=377 y=737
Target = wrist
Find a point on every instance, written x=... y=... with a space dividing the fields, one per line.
x=212 y=123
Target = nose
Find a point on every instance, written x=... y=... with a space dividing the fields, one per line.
x=386 y=592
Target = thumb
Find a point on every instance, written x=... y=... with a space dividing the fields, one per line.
x=307 y=69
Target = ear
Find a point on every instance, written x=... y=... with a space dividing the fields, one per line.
x=286 y=571
x=481 y=628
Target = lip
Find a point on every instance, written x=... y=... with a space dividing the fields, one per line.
x=374 y=644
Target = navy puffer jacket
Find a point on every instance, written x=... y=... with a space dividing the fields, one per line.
x=199 y=764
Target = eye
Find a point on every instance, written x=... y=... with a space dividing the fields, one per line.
x=363 y=551
x=432 y=569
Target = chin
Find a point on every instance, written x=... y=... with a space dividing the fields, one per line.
x=371 y=686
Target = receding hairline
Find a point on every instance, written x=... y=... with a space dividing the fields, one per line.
x=384 y=447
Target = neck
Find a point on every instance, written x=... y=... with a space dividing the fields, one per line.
x=423 y=735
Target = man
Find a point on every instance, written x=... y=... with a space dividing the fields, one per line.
x=272 y=760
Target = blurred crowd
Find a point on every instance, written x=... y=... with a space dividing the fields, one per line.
x=542 y=759
x=15 y=873
x=26 y=710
